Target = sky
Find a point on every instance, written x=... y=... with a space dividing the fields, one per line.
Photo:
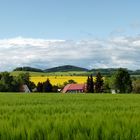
x=86 y=33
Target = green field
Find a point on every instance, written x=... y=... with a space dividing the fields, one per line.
x=69 y=73
x=69 y=116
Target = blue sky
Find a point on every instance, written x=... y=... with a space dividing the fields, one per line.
x=68 y=19
x=47 y=33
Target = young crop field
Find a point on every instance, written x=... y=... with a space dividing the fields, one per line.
x=69 y=116
x=58 y=80
x=68 y=73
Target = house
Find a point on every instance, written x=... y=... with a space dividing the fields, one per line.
x=113 y=91
x=74 y=88
x=24 y=88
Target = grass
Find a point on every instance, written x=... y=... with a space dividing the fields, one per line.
x=69 y=116
x=69 y=73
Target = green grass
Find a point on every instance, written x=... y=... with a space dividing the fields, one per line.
x=69 y=116
x=69 y=73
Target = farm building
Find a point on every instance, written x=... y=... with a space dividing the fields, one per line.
x=74 y=88
x=24 y=88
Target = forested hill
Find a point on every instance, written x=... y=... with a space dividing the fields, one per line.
x=70 y=68
x=106 y=71
x=28 y=69
x=65 y=68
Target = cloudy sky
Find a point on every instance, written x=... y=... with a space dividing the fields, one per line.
x=87 y=33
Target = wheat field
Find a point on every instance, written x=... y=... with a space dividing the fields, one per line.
x=69 y=116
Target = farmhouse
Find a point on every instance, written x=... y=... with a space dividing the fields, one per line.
x=24 y=88
x=74 y=88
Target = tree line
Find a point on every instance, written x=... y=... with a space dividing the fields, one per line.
x=9 y=83
x=120 y=82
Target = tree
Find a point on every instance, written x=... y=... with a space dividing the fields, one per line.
x=8 y=83
x=71 y=81
x=99 y=83
x=55 y=88
x=121 y=81
x=24 y=78
x=90 y=84
x=6 y=80
x=40 y=87
x=47 y=86
x=31 y=85
x=106 y=85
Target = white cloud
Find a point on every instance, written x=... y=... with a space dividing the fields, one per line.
x=42 y=53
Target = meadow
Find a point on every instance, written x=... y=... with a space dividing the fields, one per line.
x=68 y=73
x=69 y=116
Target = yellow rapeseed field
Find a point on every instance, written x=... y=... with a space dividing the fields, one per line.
x=58 y=80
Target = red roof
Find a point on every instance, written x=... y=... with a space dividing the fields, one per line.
x=73 y=87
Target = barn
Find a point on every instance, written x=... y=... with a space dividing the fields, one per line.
x=74 y=88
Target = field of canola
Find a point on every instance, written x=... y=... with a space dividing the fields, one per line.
x=59 y=80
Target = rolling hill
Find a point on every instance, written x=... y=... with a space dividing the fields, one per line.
x=65 y=68
x=69 y=70
x=28 y=69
